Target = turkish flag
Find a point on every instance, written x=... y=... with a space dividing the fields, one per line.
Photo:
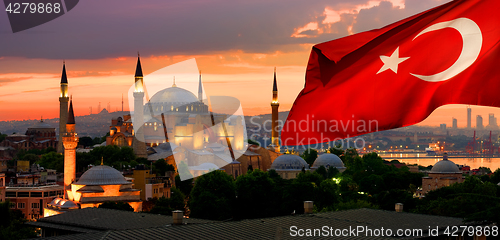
x=397 y=75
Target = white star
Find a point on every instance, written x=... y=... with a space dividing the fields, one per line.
x=391 y=62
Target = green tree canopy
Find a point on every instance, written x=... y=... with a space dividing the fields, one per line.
x=12 y=224
x=52 y=160
x=165 y=206
x=213 y=196
x=258 y=193
x=310 y=155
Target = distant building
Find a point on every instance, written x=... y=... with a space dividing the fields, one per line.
x=492 y=122
x=39 y=136
x=443 y=174
x=288 y=166
x=121 y=132
x=454 y=123
x=32 y=199
x=479 y=122
x=328 y=160
x=151 y=186
x=442 y=126
x=469 y=117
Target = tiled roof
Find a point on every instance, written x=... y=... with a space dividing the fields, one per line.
x=279 y=227
x=108 y=219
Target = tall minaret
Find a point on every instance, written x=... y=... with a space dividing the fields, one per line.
x=139 y=147
x=275 y=142
x=70 y=141
x=200 y=90
x=63 y=108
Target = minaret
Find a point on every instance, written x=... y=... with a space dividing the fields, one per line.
x=63 y=108
x=275 y=142
x=70 y=141
x=200 y=91
x=138 y=145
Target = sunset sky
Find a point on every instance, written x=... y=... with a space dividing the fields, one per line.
x=236 y=45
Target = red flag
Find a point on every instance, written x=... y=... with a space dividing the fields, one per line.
x=397 y=75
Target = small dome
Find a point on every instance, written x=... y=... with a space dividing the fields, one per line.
x=102 y=175
x=174 y=95
x=445 y=166
x=63 y=204
x=328 y=160
x=289 y=162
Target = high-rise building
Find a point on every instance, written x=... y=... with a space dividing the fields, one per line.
x=63 y=108
x=442 y=126
x=469 y=117
x=274 y=106
x=454 y=123
x=479 y=122
x=492 y=122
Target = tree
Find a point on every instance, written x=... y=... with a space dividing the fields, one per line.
x=2 y=137
x=310 y=155
x=161 y=167
x=118 y=205
x=213 y=196
x=473 y=200
x=165 y=206
x=258 y=194
x=31 y=157
x=184 y=186
x=12 y=224
x=52 y=160
x=86 y=141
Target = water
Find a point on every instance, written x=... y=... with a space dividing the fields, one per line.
x=423 y=159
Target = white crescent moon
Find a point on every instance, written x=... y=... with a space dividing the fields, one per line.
x=472 y=43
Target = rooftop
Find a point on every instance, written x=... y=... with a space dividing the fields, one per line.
x=267 y=228
x=101 y=219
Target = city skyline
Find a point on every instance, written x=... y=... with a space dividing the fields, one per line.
x=235 y=62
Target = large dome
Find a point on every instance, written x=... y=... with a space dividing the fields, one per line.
x=174 y=95
x=102 y=175
x=41 y=124
x=328 y=160
x=289 y=162
x=445 y=166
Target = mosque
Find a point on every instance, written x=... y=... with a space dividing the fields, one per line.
x=177 y=126
x=444 y=173
x=98 y=184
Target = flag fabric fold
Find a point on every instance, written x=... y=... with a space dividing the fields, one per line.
x=397 y=75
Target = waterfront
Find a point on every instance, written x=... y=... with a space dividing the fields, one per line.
x=423 y=159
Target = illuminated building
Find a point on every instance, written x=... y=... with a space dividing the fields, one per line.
x=95 y=186
x=444 y=173
x=32 y=199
